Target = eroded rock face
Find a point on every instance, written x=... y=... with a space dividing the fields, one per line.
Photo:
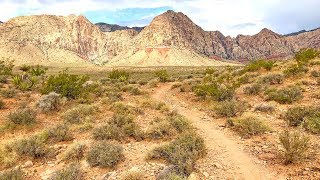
x=104 y=27
x=171 y=39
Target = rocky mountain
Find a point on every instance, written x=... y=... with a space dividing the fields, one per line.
x=170 y=39
x=104 y=27
x=1 y=22
x=299 y=32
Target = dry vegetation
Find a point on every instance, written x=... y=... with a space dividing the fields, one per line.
x=67 y=125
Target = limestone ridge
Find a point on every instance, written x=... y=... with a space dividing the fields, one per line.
x=170 y=39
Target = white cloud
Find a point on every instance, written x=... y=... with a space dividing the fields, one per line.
x=231 y=17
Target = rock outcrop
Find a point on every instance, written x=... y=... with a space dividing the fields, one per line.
x=170 y=39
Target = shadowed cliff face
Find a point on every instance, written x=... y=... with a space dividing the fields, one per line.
x=104 y=27
x=51 y=38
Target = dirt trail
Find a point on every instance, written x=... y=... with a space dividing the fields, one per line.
x=225 y=158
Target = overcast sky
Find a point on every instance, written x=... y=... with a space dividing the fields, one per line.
x=231 y=17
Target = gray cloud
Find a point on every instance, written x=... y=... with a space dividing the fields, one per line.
x=242 y=26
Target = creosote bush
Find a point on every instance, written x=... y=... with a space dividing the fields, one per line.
x=162 y=75
x=60 y=132
x=295 y=146
x=286 y=95
x=33 y=146
x=295 y=70
x=264 y=108
x=215 y=91
x=49 y=102
x=305 y=55
x=133 y=175
x=23 y=116
x=105 y=154
x=182 y=152
x=70 y=86
x=259 y=64
x=71 y=172
x=120 y=75
x=295 y=115
x=248 y=126
x=12 y=174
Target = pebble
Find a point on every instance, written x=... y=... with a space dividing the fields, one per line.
x=28 y=164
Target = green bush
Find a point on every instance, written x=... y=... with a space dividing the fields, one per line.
x=214 y=90
x=12 y=174
x=37 y=70
x=286 y=95
x=312 y=123
x=295 y=146
x=105 y=154
x=305 y=55
x=74 y=153
x=119 y=127
x=162 y=75
x=295 y=70
x=248 y=126
x=253 y=89
x=272 y=79
x=259 y=64
x=182 y=152
x=23 y=116
x=70 y=86
x=71 y=172
x=120 y=75
x=229 y=108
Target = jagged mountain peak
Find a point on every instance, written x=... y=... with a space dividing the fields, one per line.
x=267 y=32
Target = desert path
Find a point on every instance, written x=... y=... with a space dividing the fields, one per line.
x=225 y=158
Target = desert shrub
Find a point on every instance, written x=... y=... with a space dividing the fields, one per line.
x=70 y=86
x=74 y=153
x=37 y=70
x=179 y=122
x=49 y=102
x=33 y=146
x=79 y=113
x=71 y=172
x=294 y=70
x=229 y=108
x=121 y=108
x=120 y=75
x=24 y=82
x=25 y=68
x=295 y=146
x=119 y=127
x=8 y=93
x=4 y=79
x=6 y=67
x=312 y=123
x=295 y=115
x=133 y=90
x=60 y=132
x=259 y=64
x=133 y=175
x=183 y=152
x=162 y=75
x=105 y=154
x=272 y=79
x=12 y=174
x=214 y=90
x=248 y=126
x=305 y=55
x=264 y=108
x=114 y=96
x=2 y=104
x=315 y=73
x=23 y=116
x=253 y=89
x=287 y=95
x=161 y=129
